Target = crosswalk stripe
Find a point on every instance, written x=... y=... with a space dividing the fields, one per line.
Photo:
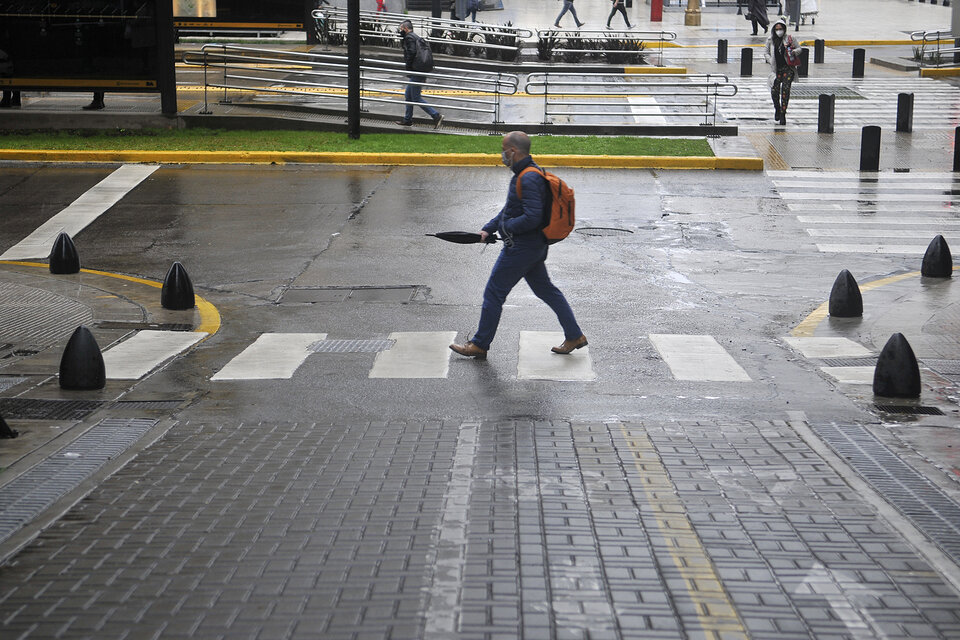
x=827 y=347
x=880 y=233
x=883 y=249
x=139 y=355
x=537 y=362
x=866 y=196
x=850 y=375
x=83 y=211
x=875 y=220
x=698 y=358
x=415 y=354
x=271 y=356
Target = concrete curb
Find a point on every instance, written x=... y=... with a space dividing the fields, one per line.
x=399 y=159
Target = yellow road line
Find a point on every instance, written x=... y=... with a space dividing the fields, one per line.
x=209 y=315
x=714 y=609
x=940 y=73
x=809 y=325
x=189 y=88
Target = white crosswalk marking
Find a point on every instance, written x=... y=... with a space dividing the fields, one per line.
x=139 y=355
x=83 y=211
x=272 y=356
x=537 y=362
x=850 y=375
x=698 y=358
x=888 y=213
x=419 y=354
x=827 y=347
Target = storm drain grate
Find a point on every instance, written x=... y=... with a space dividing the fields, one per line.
x=849 y=362
x=603 y=231
x=907 y=409
x=351 y=346
x=28 y=409
x=9 y=381
x=146 y=326
x=147 y=404
x=806 y=91
x=26 y=497
x=922 y=502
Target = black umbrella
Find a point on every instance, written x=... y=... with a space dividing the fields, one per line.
x=462 y=237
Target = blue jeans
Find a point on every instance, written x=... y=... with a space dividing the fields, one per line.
x=514 y=263
x=412 y=94
x=568 y=6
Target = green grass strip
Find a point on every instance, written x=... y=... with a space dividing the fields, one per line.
x=236 y=140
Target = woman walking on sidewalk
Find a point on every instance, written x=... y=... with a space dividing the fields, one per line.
x=619 y=6
x=779 y=52
x=567 y=6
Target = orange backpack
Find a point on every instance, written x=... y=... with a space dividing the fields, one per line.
x=560 y=203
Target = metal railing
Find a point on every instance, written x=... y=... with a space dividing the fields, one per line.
x=644 y=38
x=930 y=51
x=385 y=27
x=324 y=77
x=607 y=96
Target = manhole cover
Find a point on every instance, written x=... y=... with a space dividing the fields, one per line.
x=908 y=410
x=351 y=346
x=28 y=409
x=603 y=231
x=805 y=91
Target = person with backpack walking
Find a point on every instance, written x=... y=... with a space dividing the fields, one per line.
x=567 y=6
x=418 y=58
x=619 y=6
x=520 y=224
x=782 y=56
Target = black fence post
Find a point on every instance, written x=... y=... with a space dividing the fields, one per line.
x=905 y=112
x=804 y=69
x=166 y=58
x=818 y=51
x=721 y=51
x=859 y=55
x=826 y=112
x=353 y=69
x=870 y=149
x=956 y=150
x=746 y=62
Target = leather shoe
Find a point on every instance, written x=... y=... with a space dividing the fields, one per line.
x=570 y=345
x=470 y=350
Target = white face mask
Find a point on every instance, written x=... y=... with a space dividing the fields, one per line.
x=505 y=159
x=778 y=32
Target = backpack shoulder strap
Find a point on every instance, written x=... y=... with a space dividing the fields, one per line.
x=525 y=171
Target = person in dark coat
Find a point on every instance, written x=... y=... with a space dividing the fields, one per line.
x=412 y=94
x=757 y=14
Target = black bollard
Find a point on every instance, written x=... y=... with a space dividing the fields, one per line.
x=721 y=51
x=905 y=112
x=746 y=62
x=937 y=261
x=846 y=301
x=804 y=70
x=859 y=55
x=81 y=366
x=177 y=292
x=828 y=103
x=818 y=51
x=6 y=431
x=63 y=256
x=870 y=149
x=897 y=374
x=956 y=149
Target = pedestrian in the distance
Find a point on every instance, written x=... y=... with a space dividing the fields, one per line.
x=567 y=6
x=472 y=7
x=519 y=224
x=780 y=44
x=417 y=57
x=618 y=5
x=381 y=6
x=10 y=99
x=757 y=14
x=97 y=103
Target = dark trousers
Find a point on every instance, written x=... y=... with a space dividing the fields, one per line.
x=622 y=10
x=781 y=89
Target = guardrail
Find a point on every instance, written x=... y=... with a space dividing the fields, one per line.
x=382 y=29
x=633 y=43
x=935 y=54
x=324 y=76
x=607 y=96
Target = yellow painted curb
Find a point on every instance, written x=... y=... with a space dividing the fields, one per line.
x=396 y=159
x=654 y=70
x=209 y=315
x=940 y=73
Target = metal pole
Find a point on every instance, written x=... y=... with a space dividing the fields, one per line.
x=436 y=10
x=353 y=69
x=166 y=63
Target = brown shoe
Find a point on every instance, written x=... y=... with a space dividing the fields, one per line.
x=470 y=350
x=570 y=345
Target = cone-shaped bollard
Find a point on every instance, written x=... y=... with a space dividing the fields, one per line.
x=845 y=298
x=64 y=257
x=177 y=290
x=937 y=261
x=897 y=374
x=6 y=431
x=81 y=366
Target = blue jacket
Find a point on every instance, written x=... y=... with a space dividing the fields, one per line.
x=522 y=219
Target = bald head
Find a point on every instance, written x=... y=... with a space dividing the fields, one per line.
x=517 y=143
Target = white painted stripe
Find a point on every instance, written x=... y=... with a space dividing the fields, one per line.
x=847 y=175
x=646 y=110
x=878 y=233
x=877 y=220
x=872 y=208
x=84 y=210
x=444 y=609
x=885 y=249
x=415 y=354
x=827 y=347
x=868 y=186
x=872 y=197
x=139 y=355
x=850 y=375
x=701 y=358
x=537 y=362
x=272 y=356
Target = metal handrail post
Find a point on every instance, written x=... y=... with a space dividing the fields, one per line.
x=546 y=94
x=496 y=93
x=206 y=107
